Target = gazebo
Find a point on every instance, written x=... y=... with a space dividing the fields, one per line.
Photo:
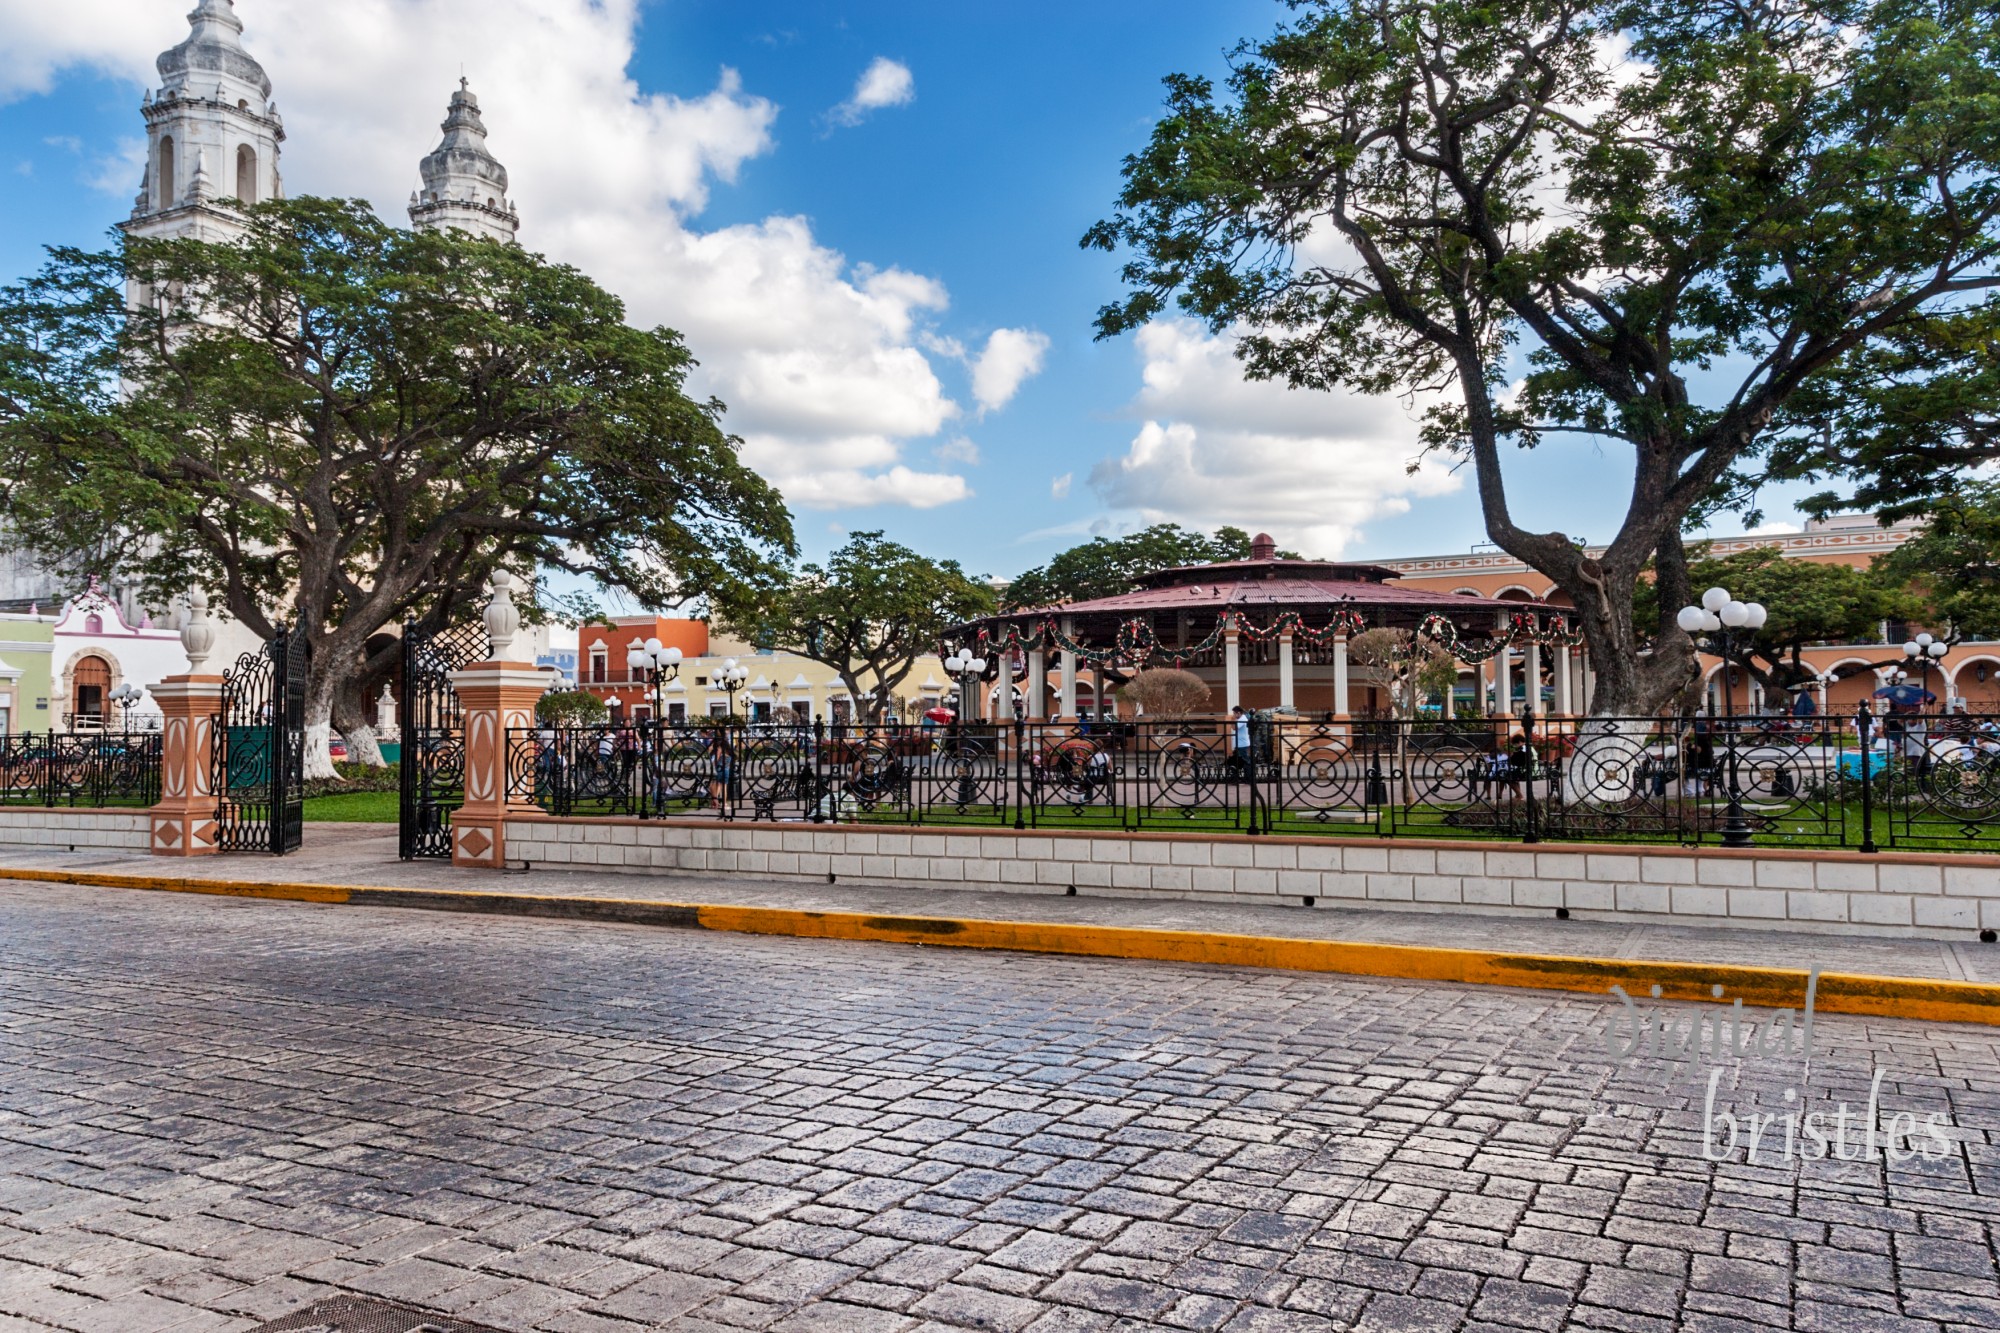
x=1264 y=632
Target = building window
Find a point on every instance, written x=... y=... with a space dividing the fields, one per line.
x=677 y=712
x=717 y=708
x=802 y=709
x=597 y=666
x=246 y=174
x=166 y=182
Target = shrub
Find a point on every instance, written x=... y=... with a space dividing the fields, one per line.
x=1167 y=692
x=571 y=708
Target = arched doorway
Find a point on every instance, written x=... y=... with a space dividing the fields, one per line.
x=89 y=692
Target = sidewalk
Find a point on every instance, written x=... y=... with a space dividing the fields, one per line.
x=364 y=856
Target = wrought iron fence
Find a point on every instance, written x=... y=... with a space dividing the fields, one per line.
x=1798 y=782
x=96 y=768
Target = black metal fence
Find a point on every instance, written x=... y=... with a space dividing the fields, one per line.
x=95 y=768
x=1802 y=782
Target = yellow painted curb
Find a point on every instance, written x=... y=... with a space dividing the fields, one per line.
x=1915 y=998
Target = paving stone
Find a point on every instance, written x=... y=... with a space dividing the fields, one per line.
x=212 y=1111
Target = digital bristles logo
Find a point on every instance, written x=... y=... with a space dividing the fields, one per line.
x=1724 y=1042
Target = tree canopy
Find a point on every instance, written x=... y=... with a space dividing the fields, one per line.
x=1108 y=566
x=349 y=424
x=1654 y=223
x=1955 y=560
x=869 y=612
x=1807 y=601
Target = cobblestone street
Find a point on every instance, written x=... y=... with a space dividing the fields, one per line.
x=213 y=1113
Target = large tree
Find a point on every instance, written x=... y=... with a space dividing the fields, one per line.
x=1651 y=222
x=1108 y=566
x=869 y=612
x=344 y=424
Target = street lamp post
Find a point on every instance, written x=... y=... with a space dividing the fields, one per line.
x=1924 y=650
x=663 y=662
x=731 y=677
x=1719 y=615
x=966 y=669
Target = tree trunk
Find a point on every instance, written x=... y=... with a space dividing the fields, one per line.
x=319 y=727
x=355 y=721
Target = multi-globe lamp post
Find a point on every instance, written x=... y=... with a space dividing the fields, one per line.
x=1720 y=617
x=1924 y=650
x=663 y=662
x=966 y=669
x=730 y=676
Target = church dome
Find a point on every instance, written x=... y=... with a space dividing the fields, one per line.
x=462 y=160
x=214 y=47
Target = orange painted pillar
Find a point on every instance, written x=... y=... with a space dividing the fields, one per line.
x=497 y=700
x=184 y=818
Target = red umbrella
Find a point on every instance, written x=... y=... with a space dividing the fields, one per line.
x=940 y=715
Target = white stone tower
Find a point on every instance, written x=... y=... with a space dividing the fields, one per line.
x=464 y=185
x=212 y=133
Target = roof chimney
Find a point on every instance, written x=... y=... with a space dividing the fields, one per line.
x=1263 y=548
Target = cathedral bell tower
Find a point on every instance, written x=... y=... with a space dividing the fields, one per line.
x=464 y=185
x=212 y=133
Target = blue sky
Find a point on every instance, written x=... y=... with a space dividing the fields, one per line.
x=840 y=274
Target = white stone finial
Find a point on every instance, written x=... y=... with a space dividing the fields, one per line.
x=503 y=619
x=198 y=634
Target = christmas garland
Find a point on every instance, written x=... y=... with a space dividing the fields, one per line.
x=1135 y=640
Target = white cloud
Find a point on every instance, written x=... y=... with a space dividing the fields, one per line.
x=1011 y=357
x=1059 y=488
x=821 y=360
x=884 y=83
x=1215 y=448
x=957 y=449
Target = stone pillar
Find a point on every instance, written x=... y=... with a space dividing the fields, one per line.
x=1533 y=670
x=1038 y=684
x=183 y=822
x=1340 y=676
x=1067 y=709
x=184 y=819
x=1450 y=709
x=495 y=698
x=1285 y=670
x=1003 y=702
x=1503 y=683
x=1565 y=705
x=1232 y=669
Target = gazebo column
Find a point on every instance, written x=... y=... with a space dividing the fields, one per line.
x=1003 y=702
x=1068 y=708
x=1533 y=668
x=1564 y=704
x=1038 y=683
x=1340 y=676
x=1285 y=699
x=1451 y=697
x=1503 y=676
x=1232 y=669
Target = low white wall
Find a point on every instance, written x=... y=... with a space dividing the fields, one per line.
x=75 y=830
x=1889 y=893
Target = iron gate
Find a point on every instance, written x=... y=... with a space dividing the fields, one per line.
x=432 y=726
x=259 y=766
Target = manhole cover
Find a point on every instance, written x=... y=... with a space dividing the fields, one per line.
x=353 y=1314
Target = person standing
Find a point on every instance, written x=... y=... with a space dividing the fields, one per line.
x=1239 y=742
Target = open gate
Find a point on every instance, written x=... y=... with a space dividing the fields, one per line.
x=433 y=737
x=260 y=746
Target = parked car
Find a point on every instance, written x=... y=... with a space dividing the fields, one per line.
x=338 y=746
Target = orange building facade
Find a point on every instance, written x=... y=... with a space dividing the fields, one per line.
x=1968 y=677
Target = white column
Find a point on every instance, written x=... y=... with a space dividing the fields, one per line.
x=1232 y=675
x=1503 y=683
x=1003 y=703
x=1038 y=683
x=1451 y=699
x=1534 y=672
x=1821 y=683
x=1068 y=707
x=1285 y=670
x=1340 y=675
x=1588 y=677
x=1563 y=700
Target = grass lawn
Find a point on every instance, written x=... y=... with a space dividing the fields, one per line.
x=361 y=807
